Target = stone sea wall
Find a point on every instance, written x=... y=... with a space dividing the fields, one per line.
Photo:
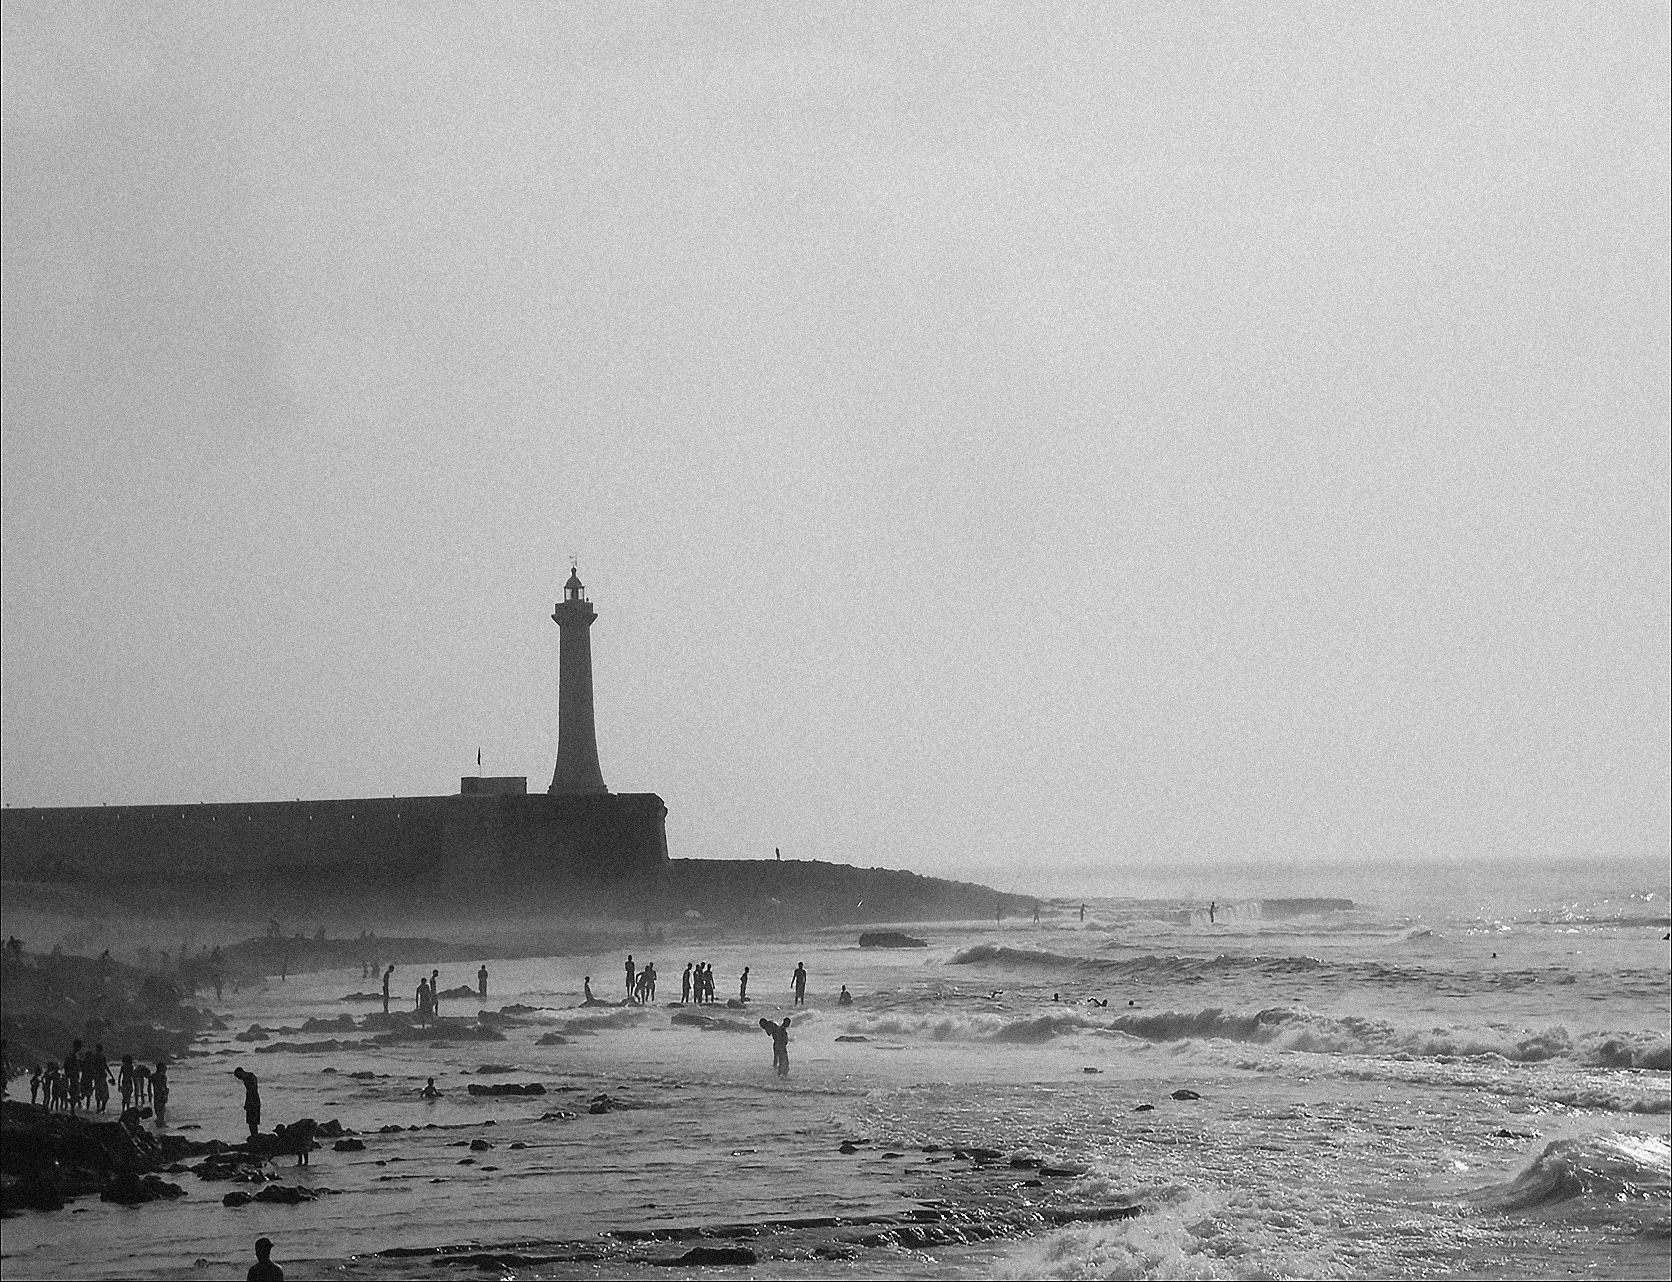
x=456 y=845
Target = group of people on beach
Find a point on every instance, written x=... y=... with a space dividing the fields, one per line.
x=426 y=999
x=85 y=1077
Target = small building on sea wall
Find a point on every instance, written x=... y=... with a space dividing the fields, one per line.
x=491 y=841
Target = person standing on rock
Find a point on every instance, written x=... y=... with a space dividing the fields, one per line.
x=252 y=1100
x=72 y=1075
x=780 y=1035
x=482 y=983
x=798 y=981
x=632 y=975
x=743 y=985
x=159 y=1092
x=100 y=1069
x=386 y=975
x=264 y=1270
x=685 y=986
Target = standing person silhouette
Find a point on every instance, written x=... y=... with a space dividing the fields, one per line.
x=632 y=975
x=386 y=975
x=252 y=1100
x=1213 y=909
x=798 y=981
x=743 y=985
x=264 y=1270
x=780 y=1035
x=482 y=983
x=685 y=985
x=435 y=992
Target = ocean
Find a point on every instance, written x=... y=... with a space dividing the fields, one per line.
x=1463 y=1074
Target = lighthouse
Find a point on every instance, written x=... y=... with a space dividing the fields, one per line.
x=577 y=739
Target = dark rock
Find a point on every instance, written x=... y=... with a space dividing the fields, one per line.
x=713 y=1255
x=506 y=1088
x=128 y=1189
x=240 y=1168
x=480 y=1146
x=852 y=1037
x=50 y=1157
x=848 y=1147
x=1144 y=1108
x=254 y=1033
x=349 y=1146
x=519 y=1144
x=553 y=1039
x=389 y=1129
x=287 y=1194
x=487 y=1069
x=1185 y=1094
x=1024 y=1164
x=364 y=1075
x=890 y=939
x=236 y=1199
x=327 y=1025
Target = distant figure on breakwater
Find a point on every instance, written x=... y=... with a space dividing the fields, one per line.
x=586 y=990
x=1082 y=914
x=264 y=1270
x=844 y=998
x=1036 y=914
x=252 y=1099
x=798 y=981
x=1213 y=909
x=482 y=983
x=780 y=1035
x=386 y=975
x=159 y=1092
x=685 y=984
x=743 y=985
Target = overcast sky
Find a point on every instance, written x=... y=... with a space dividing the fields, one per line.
x=993 y=436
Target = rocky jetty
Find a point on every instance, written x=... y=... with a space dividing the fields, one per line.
x=47 y=1002
x=890 y=939
x=47 y=1158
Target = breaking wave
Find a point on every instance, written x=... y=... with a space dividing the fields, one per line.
x=1287 y=1029
x=1148 y=966
x=1615 y=1167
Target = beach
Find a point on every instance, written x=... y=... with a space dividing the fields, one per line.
x=1476 y=1089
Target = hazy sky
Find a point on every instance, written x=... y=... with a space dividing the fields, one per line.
x=993 y=436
